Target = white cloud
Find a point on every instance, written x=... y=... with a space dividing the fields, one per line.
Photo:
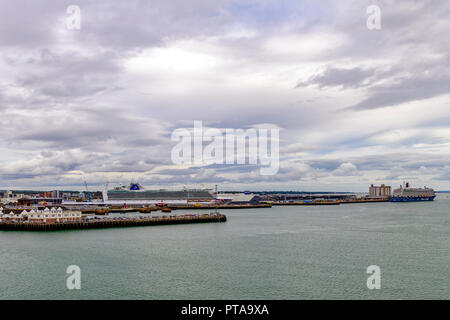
x=104 y=100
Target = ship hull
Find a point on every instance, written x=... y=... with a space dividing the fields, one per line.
x=411 y=199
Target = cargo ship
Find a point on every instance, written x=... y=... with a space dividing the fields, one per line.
x=406 y=194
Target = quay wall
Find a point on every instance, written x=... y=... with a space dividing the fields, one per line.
x=221 y=206
x=111 y=223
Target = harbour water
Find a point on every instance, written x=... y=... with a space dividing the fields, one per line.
x=289 y=252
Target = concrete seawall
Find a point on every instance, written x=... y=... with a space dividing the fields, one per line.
x=112 y=223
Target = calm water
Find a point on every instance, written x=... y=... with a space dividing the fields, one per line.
x=280 y=253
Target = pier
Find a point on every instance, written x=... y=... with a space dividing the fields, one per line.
x=307 y=203
x=221 y=206
x=105 y=210
x=114 y=223
x=365 y=200
x=326 y=202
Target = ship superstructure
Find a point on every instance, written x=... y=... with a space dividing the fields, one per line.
x=406 y=193
x=135 y=193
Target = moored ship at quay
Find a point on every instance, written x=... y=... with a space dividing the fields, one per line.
x=136 y=194
x=407 y=194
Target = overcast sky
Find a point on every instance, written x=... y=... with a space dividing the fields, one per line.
x=354 y=106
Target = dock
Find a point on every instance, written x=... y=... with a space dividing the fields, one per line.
x=221 y=206
x=327 y=202
x=307 y=203
x=364 y=200
x=114 y=223
x=103 y=211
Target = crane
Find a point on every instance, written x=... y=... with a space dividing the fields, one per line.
x=87 y=191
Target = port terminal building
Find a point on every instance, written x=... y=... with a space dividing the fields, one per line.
x=292 y=196
x=239 y=198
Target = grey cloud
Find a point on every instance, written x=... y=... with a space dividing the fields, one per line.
x=32 y=22
x=87 y=129
x=328 y=165
x=413 y=88
x=68 y=102
x=347 y=169
x=405 y=160
x=443 y=177
x=69 y=75
x=346 y=78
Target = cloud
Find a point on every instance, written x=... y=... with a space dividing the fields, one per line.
x=445 y=174
x=346 y=169
x=410 y=88
x=346 y=78
x=103 y=101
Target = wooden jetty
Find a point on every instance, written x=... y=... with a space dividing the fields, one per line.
x=114 y=223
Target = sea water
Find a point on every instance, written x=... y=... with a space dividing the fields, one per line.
x=285 y=252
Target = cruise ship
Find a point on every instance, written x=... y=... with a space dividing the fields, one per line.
x=406 y=193
x=134 y=193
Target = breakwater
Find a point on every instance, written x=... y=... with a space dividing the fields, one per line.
x=114 y=223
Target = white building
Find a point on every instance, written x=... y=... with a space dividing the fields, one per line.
x=9 y=216
x=238 y=198
x=44 y=216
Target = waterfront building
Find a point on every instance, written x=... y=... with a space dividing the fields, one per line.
x=56 y=194
x=9 y=197
x=34 y=201
x=380 y=191
x=54 y=215
x=10 y=216
x=239 y=198
x=42 y=216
